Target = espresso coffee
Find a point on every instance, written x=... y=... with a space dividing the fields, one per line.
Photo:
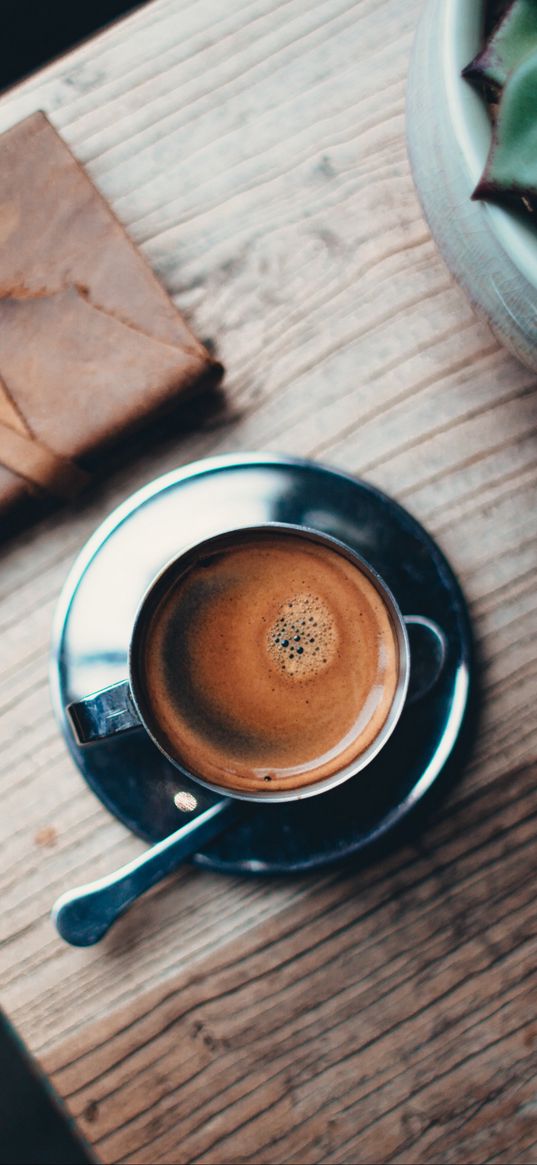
x=270 y=663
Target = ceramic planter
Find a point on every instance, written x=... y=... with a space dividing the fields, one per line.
x=491 y=251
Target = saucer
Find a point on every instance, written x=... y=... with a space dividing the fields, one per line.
x=96 y=613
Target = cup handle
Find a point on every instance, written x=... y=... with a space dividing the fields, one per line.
x=428 y=653
x=105 y=713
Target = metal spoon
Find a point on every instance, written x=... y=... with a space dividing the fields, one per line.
x=84 y=915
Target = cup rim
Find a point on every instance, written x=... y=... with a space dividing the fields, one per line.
x=158 y=586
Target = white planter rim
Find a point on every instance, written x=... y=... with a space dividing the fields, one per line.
x=462 y=37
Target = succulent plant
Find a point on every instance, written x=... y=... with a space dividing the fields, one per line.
x=506 y=71
x=511 y=169
x=513 y=38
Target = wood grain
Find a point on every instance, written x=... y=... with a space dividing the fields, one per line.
x=256 y=154
x=384 y=1020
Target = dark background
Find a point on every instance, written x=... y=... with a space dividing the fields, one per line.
x=33 y=1127
x=35 y=31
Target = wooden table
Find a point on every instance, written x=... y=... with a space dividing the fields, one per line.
x=256 y=153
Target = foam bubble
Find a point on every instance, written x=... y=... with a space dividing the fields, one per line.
x=302 y=640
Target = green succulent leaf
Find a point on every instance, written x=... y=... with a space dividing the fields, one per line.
x=513 y=39
x=511 y=170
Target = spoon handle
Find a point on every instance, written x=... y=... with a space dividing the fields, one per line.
x=84 y=915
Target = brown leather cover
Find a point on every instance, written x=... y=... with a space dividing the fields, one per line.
x=90 y=343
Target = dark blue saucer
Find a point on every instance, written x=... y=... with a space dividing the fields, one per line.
x=96 y=613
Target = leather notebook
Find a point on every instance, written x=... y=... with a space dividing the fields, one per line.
x=91 y=345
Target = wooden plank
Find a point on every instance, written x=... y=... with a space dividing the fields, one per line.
x=256 y=153
x=386 y=1017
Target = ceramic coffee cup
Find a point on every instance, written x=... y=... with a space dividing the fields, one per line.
x=82 y=916
x=128 y=705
